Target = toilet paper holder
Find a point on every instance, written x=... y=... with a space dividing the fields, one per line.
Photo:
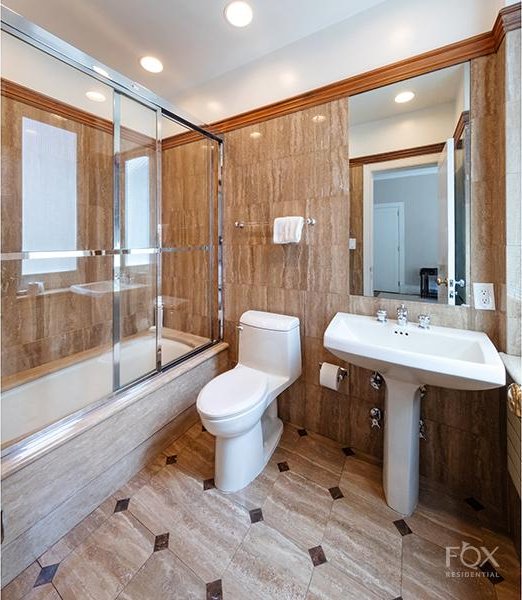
x=343 y=373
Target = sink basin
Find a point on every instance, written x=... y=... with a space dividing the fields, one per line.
x=441 y=356
x=100 y=288
x=407 y=358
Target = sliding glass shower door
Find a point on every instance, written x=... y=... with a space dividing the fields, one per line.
x=94 y=299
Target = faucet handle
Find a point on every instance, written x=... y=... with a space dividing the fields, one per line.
x=424 y=321
x=382 y=315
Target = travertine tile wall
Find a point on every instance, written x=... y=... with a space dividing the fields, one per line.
x=186 y=191
x=300 y=166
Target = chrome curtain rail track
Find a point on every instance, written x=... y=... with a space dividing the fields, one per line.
x=36 y=255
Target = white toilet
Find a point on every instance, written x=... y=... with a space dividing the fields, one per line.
x=239 y=406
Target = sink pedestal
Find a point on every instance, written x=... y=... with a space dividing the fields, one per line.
x=401 y=445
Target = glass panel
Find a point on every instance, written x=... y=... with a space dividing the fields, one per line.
x=189 y=229
x=186 y=302
x=137 y=279
x=56 y=343
x=57 y=198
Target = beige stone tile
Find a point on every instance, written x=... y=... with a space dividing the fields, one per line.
x=197 y=456
x=205 y=527
x=102 y=565
x=444 y=520
x=328 y=583
x=364 y=479
x=290 y=437
x=78 y=534
x=267 y=565
x=164 y=577
x=421 y=556
x=305 y=467
x=365 y=545
x=322 y=451
x=299 y=509
x=21 y=585
x=255 y=494
x=42 y=592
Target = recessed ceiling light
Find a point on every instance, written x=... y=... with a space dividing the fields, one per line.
x=318 y=118
x=255 y=135
x=404 y=97
x=100 y=71
x=151 y=64
x=238 y=13
x=95 y=96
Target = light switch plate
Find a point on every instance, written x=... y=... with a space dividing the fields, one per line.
x=484 y=296
x=352 y=243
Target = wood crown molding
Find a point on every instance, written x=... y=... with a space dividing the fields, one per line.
x=20 y=93
x=479 y=45
x=396 y=154
x=462 y=122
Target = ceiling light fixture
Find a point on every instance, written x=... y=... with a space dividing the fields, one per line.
x=404 y=97
x=100 y=71
x=151 y=64
x=255 y=135
x=318 y=118
x=238 y=13
x=95 y=96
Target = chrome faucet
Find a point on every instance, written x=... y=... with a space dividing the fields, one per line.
x=402 y=316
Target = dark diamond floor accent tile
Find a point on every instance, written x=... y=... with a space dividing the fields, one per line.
x=46 y=575
x=474 y=503
x=122 y=505
x=161 y=542
x=172 y=460
x=491 y=573
x=398 y=598
x=348 y=451
x=403 y=527
x=302 y=432
x=283 y=466
x=317 y=556
x=215 y=590
x=256 y=515
x=208 y=484
x=336 y=493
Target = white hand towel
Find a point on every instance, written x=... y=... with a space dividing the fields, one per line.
x=288 y=230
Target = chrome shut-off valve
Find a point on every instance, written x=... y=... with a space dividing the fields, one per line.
x=375 y=417
x=376 y=380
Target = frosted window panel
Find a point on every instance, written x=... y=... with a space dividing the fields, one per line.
x=137 y=208
x=48 y=195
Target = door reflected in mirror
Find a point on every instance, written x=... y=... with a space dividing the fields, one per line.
x=409 y=189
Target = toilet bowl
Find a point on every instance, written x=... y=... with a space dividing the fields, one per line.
x=239 y=407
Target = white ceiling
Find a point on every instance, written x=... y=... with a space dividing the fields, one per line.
x=213 y=70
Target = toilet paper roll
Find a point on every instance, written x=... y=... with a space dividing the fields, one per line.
x=329 y=376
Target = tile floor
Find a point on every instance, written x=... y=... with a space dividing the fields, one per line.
x=313 y=525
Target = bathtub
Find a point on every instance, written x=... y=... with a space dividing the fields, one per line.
x=32 y=406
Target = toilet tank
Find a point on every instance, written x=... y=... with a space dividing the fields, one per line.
x=270 y=342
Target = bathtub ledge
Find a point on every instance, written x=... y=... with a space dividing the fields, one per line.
x=22 y=453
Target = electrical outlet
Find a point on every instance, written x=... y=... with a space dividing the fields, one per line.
x=352 y=243
x=484 y=296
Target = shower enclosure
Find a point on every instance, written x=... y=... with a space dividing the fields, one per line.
x=110 y=229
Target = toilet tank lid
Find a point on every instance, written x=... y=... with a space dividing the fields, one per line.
x=271 y=321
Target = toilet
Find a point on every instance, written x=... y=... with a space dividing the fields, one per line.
x=239 y=406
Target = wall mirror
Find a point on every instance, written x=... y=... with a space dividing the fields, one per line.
x=409 y=189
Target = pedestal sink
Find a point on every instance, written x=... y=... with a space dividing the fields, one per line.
x=409 y=357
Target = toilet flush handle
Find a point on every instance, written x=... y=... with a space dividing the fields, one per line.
x=239 y=327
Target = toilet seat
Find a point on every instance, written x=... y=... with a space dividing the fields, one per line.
x=232 y=393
